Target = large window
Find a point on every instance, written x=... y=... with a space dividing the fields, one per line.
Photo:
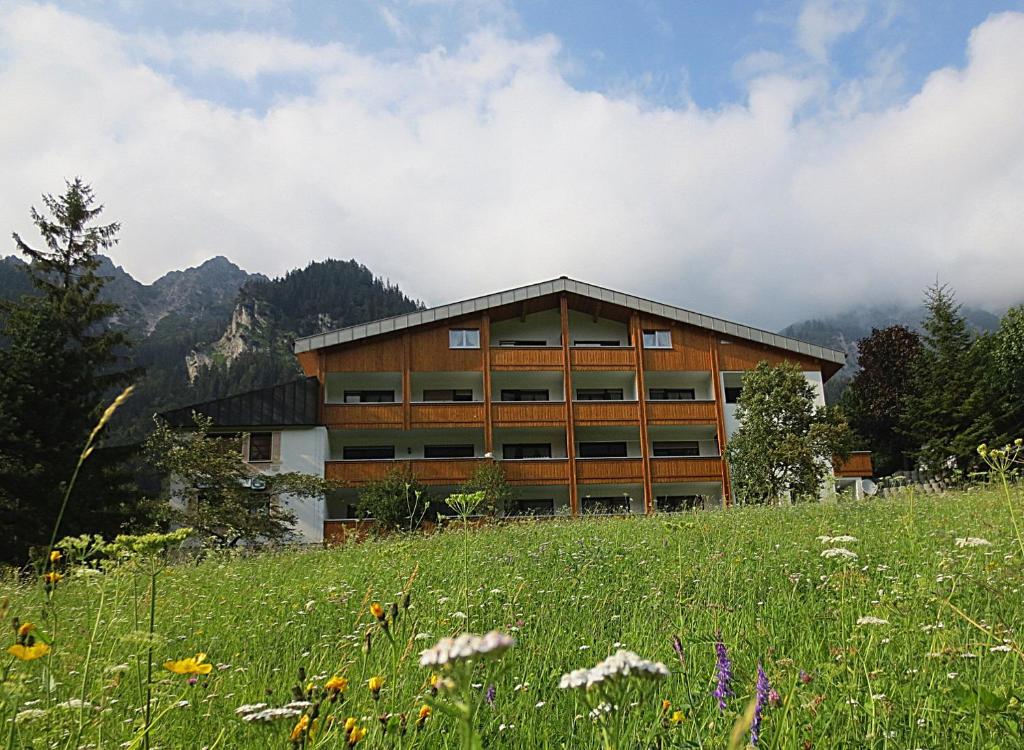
x=599 y=394
x=447 y=394
x=526 y=450
x=732 y=394
x=524 y=394
x=600 y=505
x=676 y=503
x=261 y=447
x=673 y=394
x=448 y=451
x=538 y=507
x=603 y=449
x=659 y=339
x=367 y=452
x=666 y=448
x=464 y=338
x=369 y=397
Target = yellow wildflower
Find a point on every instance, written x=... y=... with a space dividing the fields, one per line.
x=53 y=577
x=666 y=705
x=24 y=630
x=300 y=728
x=350 y=724
x=28 y=653
x=355 y=735
x=55 y=556
x=678 y=717
x=377 y=611
x=191 y=665
x=375 y=684
x=336 y=685
x=424 y=714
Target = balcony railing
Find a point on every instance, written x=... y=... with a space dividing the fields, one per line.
x=857 y=465
x=536 y=470
x=603 y=413
x=426 y=470
x=349 y=416
x=686 y=469
x=528 y=413
x=602 y=357
x=526 y=358
x=609 y=470
x=681 y=412
x=447 y=414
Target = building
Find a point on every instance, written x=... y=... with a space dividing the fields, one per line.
x=591 y=400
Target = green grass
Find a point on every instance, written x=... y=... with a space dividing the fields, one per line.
x=571 y=592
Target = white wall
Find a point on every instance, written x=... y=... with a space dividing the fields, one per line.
x=583 y=326
x=543 y=326
x=705 y=435
x=699 y=381
x=732 y=379
x=303 y=450
x=606 y=379
x=630 y=435
x=552 y=381
x=420 y=381
x=338 y=382
x=555 y=437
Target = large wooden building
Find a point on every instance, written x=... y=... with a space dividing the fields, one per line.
x=591 y=401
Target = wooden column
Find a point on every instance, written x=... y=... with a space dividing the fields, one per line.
x=716 y=381
x=321 y=375
x=645 y=449
x=485 y=343
x=570 y=424
x=406 y=381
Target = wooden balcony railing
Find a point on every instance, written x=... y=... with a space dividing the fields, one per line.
x=536 y=470
x=609 y=470
x=526 y=358
x=686 y=469
x=603 y=357
x=857 y=465
x=592 y=413
x=447 y=414
x=528 y=413
x=426 y=470
x=356 y=416
x=681 y=412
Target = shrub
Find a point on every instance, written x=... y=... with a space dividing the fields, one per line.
x=398 y=501
x=489 y=478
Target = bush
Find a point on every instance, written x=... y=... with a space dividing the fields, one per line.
x=397 y=501
x=489 y=478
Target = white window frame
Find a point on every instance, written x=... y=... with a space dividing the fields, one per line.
x=463 y=338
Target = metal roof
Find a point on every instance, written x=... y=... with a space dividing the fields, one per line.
x=555 y=286
x=291 y=404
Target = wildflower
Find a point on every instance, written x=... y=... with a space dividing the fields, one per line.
x=355 y=735
x=435 y=681
x=350 y=724
x=666 y=705
x=723 y=689
x=466 y=647
x=839 y=552
x=51 y=579
x=375 y=684
x=24 y=629
x=250 y=708
x=29 y=714
x=377 y=611
x=55 y=556
x=1003 y=648
x=28 y=653
x=620 y=665
x=490 y=694
x=761 y=690
x=870 y=620
x=774 y=699
x=336 y=686
x=972 y=541
x=677 y=646
x=423 y=715
x=301 y=727
x=271 y=714
x=191 y=665
x=677 y=717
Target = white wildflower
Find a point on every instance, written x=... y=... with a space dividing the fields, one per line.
x=1003 y=648
x=466 y=646
x=272 y=714
x=871 y=620
x=972 y=541
x=839 y=552
x=29 y=714
x=620 y=665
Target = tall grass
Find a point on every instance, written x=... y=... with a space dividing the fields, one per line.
x=863 y=652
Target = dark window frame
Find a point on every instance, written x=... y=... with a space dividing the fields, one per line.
x=596 y=343
x=673 y=449
x=590 y=447
x=541 y=506
x=591 y=394
x=517 y=448
x=262 y=456
x=606 y=505
x=677 y=503
x=733 y=393
x=348 y=452
x=672 y=394
x=512 y=343
x=457 y=395
x=375 y=394
x=462 y=451
x=521 y=391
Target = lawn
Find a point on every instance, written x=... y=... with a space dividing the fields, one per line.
x=871 y=648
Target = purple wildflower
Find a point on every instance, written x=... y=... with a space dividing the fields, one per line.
x=723 y=688
x=762 y=690
x=774 y=699
x=489 y=695
x=677 y=646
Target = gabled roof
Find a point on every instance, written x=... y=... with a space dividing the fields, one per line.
x=555 y=286
x=291 y=404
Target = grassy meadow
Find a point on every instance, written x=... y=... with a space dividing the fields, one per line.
x=933 y=663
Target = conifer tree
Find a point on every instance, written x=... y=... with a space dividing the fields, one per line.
x=60 y=366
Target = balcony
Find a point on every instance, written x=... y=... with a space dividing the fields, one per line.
x=358 y=416
x=528 y=413
x=686 y=469
x=609 y=470
x=536 y=470
x=681 y=412
x=526 y=358
x=447 y=414
x=426 y=470
x=857 y=465
x=602 y=358
x=606 y=413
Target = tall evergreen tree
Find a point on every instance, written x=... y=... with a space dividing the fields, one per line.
x=998 y=400
x=940 y=409
x=59 y=369
x=875 y=402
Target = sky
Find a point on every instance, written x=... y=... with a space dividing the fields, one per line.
x=760 y=161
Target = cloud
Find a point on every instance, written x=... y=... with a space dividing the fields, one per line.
x=458 y=172
x=822 y=22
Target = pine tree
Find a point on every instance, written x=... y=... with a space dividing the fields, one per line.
x=940 y=410
x=58 y=372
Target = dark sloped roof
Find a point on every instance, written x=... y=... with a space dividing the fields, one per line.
x=291 y=404
x=564 y=284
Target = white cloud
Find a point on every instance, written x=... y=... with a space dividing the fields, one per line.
x=464 y=171
x=822 y=22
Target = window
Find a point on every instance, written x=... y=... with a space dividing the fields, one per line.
x=521 y=342
x=526 y=450
x=261 y=447
x=676 y=448
x=447 y=394
x=596 y=342
x=613 y=504
x=369 y=397
x=545 y=507
x=599 y=394
x=732 y=395
x=661 y=339
x=464 y=338
x=676 y=503
x=519 y=394
x=365 y=452
x=603 y=450
x=673 y=394
x=448 y=451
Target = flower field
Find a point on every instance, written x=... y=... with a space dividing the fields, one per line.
x=888 y=623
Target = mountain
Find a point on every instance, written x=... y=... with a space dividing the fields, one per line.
x=216 y=329
x=844 y=330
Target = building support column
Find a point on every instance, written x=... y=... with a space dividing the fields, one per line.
x=406 y=381
x=645 y=448
x=716 y=379
x=485 y=344
x=570 y=417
